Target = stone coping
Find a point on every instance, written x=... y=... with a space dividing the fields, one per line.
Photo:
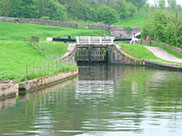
x=7 y=89
x=44 y=82
x=161 y=64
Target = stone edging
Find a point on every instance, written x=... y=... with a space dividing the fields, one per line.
x=7 y=89
x=163 y=65
x=43 y=82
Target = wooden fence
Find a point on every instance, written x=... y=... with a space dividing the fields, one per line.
x=49 y=67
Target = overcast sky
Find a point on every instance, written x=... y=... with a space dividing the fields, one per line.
x=178 y=2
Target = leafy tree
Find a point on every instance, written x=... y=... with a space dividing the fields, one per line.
x=5 y=7
x=80 y=11
x=107 y=15
x=138 y=4
x=51 y=9
x=124 y=9
x=24 y=9
x=172 y=3
x=162 y=3
x=165 y=27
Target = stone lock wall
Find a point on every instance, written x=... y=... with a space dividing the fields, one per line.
x=117 y=56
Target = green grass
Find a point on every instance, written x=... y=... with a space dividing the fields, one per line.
x=138 y=21
x=139 y=52
x=15 y=53
x=54 y=49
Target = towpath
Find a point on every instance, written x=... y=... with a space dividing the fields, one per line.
x=162 y=54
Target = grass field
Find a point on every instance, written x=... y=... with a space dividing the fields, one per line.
x=15 y=53
x=139 y=52
x=138 y=20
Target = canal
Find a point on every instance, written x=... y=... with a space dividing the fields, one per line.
x=101 y=101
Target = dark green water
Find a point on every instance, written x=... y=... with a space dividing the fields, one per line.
x=102 y=101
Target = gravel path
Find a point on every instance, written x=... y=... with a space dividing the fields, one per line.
x=162 y=54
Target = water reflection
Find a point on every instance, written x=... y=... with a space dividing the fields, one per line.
x=103 y=101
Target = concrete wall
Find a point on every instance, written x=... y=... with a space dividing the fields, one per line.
x=116 y=31
x=7 y=88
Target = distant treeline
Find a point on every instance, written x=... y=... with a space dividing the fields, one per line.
x=106 y=11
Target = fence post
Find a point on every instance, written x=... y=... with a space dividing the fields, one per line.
x=60 y=64
x=49 y=66
x=34 y=68
x=26 y=71
x=53 y=65
x=44 y=66
x=57 y=64
x=40 y=67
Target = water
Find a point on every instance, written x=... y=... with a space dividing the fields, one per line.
x=102 y=101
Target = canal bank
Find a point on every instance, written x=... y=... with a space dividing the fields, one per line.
x=9 y=88
x=117 y=56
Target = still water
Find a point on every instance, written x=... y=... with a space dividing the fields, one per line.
x=102 y=101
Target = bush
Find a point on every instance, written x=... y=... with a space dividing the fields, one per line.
x=107 y=15
x=162 y=27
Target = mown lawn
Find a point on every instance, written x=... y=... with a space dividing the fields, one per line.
x=139 y=52
x=15 y=53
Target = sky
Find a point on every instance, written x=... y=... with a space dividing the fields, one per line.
x=152 y=2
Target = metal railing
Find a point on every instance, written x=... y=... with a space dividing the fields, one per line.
x=94 y=40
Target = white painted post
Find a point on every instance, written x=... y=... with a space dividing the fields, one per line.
x=78 y=39
x=100 y=40
x=89 y=40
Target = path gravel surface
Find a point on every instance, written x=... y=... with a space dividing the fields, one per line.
x=162 y=54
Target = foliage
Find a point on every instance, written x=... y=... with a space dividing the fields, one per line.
x=138 y=4
x=165 y=27
x=127 y=9
x=107 y=15
x=162 y=3
x=69 y=10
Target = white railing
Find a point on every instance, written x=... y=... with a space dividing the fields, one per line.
x=94 y=40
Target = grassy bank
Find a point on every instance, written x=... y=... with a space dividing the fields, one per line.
x=139 y=52
x=15 y=53
x=138 y=21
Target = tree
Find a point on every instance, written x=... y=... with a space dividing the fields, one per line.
x=162 y=3
x=107 y=15
x=124 y=9
x=24 y=9
x=5 y=7
x=51 y=9
x=165 y=27
x=138 y=4
x=80 y=11
x=172 y=3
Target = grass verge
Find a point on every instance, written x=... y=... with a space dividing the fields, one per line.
x=139 y=52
